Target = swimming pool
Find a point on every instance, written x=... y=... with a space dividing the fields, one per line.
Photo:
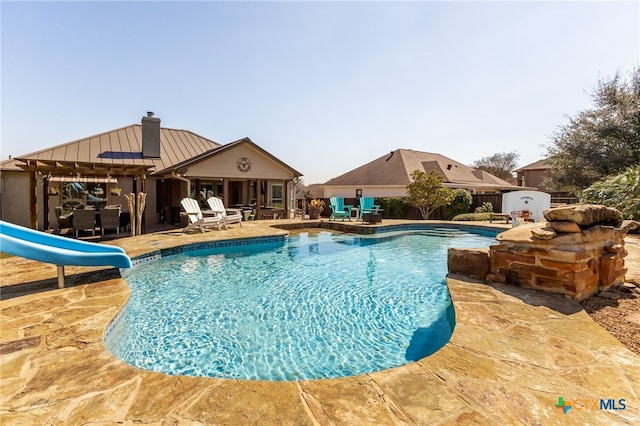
x=316 y=305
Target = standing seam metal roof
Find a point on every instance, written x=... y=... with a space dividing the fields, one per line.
x=123 y=146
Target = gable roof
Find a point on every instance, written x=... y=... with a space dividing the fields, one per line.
x=315 y=190
x=119 y=151
x=10 y=165
x=395 y=168
x=220 y=149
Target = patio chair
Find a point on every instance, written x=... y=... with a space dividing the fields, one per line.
x=367 y=206
x=197 y=219
x=228 y=215
x=64 y=220
x=339 y=209
x=110 y=219
x=84 y=219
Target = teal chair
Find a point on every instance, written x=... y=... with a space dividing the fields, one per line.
x=339 y=209
x=367 y=206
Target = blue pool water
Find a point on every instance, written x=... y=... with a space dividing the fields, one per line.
x=318 y=305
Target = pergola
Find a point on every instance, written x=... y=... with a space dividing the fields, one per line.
x=67 y=171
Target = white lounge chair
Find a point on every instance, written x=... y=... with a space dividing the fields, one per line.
x=228 y=215
x=197 y=219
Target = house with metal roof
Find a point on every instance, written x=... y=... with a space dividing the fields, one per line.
x=388 y=176
x=166 y=164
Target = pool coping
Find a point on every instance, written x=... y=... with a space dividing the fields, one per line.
x=513 y=353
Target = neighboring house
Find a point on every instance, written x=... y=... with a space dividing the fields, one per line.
x=315 y=190
x=389 y=175
x=533 y=175
x=166 y=164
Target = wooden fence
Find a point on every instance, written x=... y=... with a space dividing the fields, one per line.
x=404 y=211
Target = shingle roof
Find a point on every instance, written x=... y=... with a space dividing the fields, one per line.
x=395 y=168
x=543 y=164
x=315 y=189
x=123 y=147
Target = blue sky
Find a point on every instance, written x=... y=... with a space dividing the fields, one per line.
x=324 y=86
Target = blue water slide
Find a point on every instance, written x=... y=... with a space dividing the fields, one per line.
x=61 y=251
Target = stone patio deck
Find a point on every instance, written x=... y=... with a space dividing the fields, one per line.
x=513 y=353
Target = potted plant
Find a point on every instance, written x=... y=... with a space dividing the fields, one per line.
x=115 y=190
x=316 y=206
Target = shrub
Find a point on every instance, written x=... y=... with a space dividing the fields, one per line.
x=460 y=204
x=394 y=208
x=468 y=217
x=621 y=192
x=486 y=207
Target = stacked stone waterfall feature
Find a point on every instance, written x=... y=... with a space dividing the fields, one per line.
x=578 y=252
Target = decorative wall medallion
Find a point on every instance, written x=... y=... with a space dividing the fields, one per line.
x=243 y=164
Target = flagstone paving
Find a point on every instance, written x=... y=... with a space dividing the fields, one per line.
x=513 y=353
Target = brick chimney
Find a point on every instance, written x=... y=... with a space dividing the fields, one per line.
x=150 y=136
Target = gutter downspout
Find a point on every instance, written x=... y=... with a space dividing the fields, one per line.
x=184 y=179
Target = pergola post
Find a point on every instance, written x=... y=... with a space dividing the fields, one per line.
x=45 y=202
x=33 y=200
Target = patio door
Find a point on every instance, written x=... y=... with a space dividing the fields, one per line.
x=235 y=193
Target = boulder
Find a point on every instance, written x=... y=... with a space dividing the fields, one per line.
x=584 y=214
x=468 y=262
x=545 y=233
x=565 y=226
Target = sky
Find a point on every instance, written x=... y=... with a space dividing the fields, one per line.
x=324 y=86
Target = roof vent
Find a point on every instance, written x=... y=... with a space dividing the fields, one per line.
x=150 y=136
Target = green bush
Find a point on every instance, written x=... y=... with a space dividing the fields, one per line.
x=393 y=208
x=460 y=204
x=472 y=217
x=621 y=192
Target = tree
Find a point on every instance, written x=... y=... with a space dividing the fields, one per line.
x=460 y=204
x=600 y=141
x=427 y=193
x=500 y=165
x=621 y=191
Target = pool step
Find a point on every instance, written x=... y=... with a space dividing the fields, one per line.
x=442 y=232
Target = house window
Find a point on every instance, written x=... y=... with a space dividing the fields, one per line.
x=206 y=192
x=277 y=195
